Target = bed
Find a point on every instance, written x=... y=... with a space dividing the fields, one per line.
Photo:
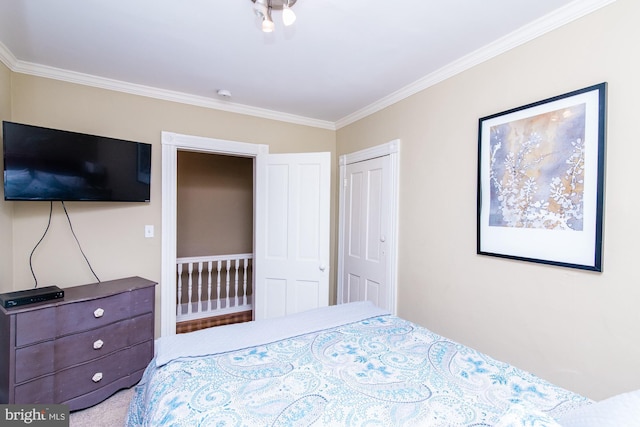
x=346 y=365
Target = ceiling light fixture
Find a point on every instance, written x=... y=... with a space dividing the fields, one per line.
x=263 y=9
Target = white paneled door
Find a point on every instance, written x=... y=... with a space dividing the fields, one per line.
x=367 y=218
x=293 y=252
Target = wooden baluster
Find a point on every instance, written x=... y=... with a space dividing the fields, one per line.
x=228 y=282
x=209 y=287
x=236 y=296
x=218 y=302
x=178 y=308
x=200 y=287
x=244 y=282
x=190 y=288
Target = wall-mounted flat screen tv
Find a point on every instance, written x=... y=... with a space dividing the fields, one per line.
x=49 y=164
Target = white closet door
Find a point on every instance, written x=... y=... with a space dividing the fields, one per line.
x=367 y=209
x=293 y=222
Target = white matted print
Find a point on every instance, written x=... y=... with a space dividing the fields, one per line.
x=541 y=181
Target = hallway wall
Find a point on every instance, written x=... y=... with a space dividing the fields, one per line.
x=215 y=204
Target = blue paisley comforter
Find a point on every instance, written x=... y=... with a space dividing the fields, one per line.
x=368 y=369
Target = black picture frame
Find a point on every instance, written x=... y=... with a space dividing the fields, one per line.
x=541 y=181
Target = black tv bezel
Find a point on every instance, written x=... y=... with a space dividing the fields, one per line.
x=76 y=135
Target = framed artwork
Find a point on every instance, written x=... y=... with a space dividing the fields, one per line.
x=541 y=181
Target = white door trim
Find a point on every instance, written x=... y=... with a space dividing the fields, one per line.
x=171 y=143
x=391 y=149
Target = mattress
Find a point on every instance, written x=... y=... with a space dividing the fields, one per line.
x=346 y=365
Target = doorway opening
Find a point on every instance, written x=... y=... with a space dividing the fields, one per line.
x=172 y=145
x=214 y=250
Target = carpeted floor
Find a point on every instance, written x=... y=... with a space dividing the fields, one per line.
x=110 y=413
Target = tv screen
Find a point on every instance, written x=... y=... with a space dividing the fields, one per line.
x=49 y=164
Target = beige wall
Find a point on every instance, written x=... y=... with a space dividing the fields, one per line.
x=112 y=234
x=6 y=223
x=215 y=204
x=578 y=329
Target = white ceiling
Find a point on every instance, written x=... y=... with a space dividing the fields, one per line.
x=340 y=61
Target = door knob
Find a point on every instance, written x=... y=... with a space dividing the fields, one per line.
x=323 y=267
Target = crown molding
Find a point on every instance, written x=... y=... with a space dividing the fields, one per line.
x=550 y=22
x=571 y=12
x=7 y=58
x=39 y=70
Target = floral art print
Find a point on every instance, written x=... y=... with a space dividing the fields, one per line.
x=537 y=171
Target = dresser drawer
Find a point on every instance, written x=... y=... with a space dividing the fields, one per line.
x=50 y=356
x=85 y=378
x=82 y=316
x=40 y=325
x=143 y=301
x=34 y=326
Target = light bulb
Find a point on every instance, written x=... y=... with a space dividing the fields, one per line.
x=288 y=17
x=267 y=25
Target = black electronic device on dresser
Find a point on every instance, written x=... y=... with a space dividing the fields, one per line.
x=80 y=349
x=30 y=296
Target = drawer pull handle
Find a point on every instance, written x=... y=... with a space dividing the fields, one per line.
x=96 y=377
x=97 y=345
x=98 y=313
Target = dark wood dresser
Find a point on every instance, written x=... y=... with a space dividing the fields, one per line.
x=78 y=350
